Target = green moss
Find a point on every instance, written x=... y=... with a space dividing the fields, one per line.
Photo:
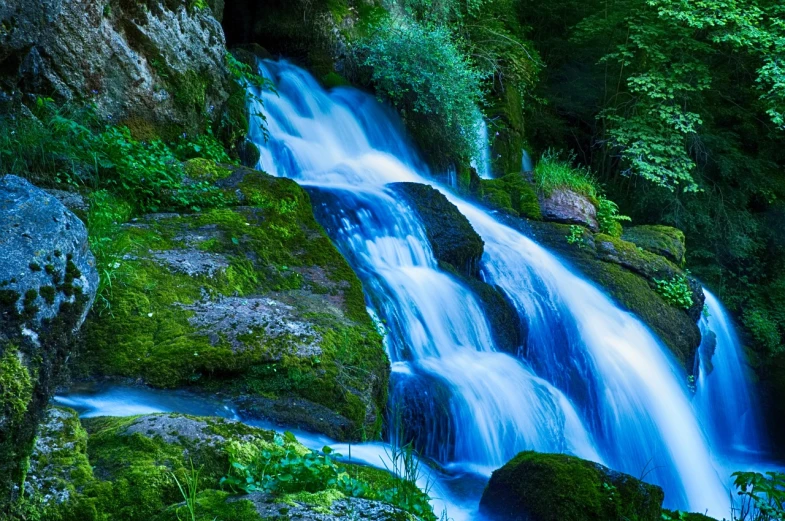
x=200 y=169
x=512 y=194
x=16 y=385
x=321 y=501
x=48 y=294
x=555 y=487
x=666 y=241
x=270 y=246
x=214 y=505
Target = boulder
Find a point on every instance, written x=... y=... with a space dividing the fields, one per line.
x=252 y=300
x=449 y=232
x=156 y=66
x=557 y=487
x=665 y=241
x=48 y=281
x=513 y=194
x=568 y=207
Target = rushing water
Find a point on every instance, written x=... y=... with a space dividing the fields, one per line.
x=592 y=381
x=723 y=394
x=482 y=164
x=589 y=379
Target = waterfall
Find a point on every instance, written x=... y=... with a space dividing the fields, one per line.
x=592 y=380
x=482 y=164
x=723 y=394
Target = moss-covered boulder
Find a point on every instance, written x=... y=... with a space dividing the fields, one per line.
x=129 y=469
x=629 y=275
x=48 y=281
x=155 y=65
x=513 y=194
x=557 y=487
x=252 y=300
x=449 y=232
x=663 y=240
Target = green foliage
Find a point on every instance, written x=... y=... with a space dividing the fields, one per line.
x=761 y=497
x=675 y=291
x=16 y=386
x=420 y=69
x=284 y=468
x=246 y=77
x=189 y=489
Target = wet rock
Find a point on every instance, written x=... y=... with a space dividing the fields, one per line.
x=152 y=64
x=48 y=281
x=568 y=207
x=449 y=232
x=663 y=240
x=557 y=487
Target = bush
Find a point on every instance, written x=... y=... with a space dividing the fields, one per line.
x=761 y=497
x=420 y=69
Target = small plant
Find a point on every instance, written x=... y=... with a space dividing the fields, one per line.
x=675 y=292
x=609 y=218
x=761 y=497
x=576 y=236
x=189 y=489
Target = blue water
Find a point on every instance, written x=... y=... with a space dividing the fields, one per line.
x=589 y=378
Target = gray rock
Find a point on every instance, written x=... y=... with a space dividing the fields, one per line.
x=46 y=252
x=156 y=61
x=48 y=281
x=346 y=509
x=568 y=207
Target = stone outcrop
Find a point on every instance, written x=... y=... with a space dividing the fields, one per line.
x=557 y=487
x=252 y=300
x=449 y=232
x=156 y=66
x=48 y=281
x=568 y=207
x=663 y=240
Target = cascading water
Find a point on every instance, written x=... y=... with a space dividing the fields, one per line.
x=723 y=394
x=482 y=164
x=593 y=380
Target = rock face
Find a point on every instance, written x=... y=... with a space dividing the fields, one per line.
x=252 y=300
x=150 y=63
x=48 y=281
x=663 y=240
x=557 y=487
x=452 y=237
x=568 y=207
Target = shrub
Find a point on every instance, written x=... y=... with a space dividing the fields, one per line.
x=420 y=69
x=761 y=497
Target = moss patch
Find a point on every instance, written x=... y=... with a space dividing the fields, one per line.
x=512 y=194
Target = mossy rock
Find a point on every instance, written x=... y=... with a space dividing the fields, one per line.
x=670 y=515
x=627 y=274
x=557 y=487
x=251 y=300
x=665 y=241
x=449 y=232
x=129 y=468
x=512 y=194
